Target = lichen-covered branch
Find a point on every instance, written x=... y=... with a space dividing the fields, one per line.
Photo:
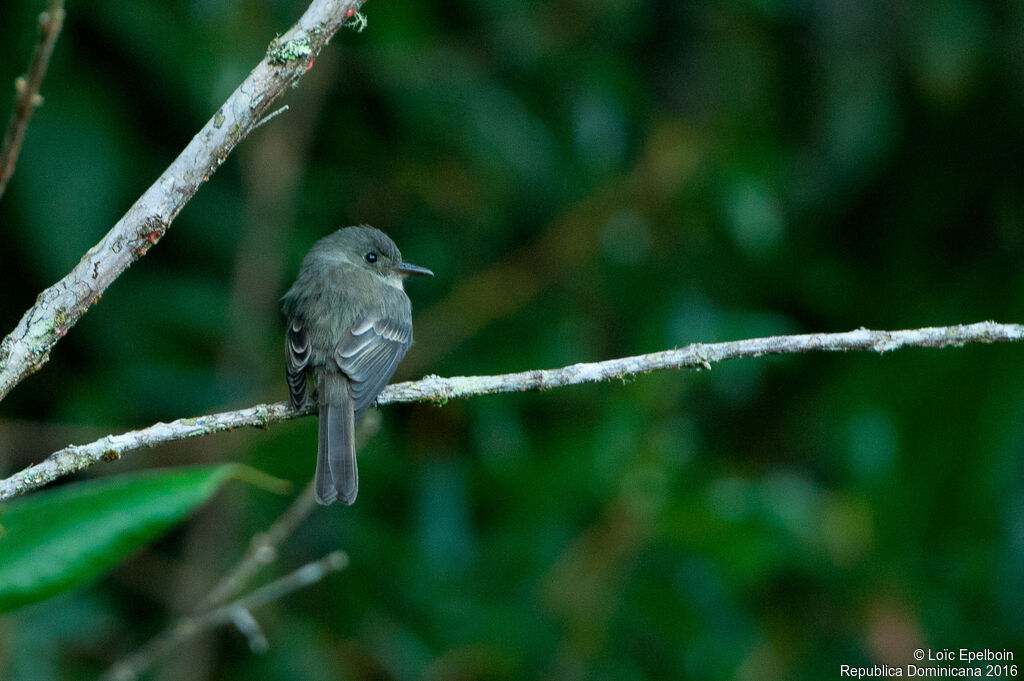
x=439 y=390
x=26 y=89
x=700 y=355
x=57 y=308
x=78 y=457
x=238 y=612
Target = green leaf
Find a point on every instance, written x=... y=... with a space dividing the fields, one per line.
x=55 y=540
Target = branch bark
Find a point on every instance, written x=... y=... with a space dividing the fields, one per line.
x=60 y=306
x=26 y=89
x=439 y=390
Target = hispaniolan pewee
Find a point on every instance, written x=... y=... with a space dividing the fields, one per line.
x=349 y=325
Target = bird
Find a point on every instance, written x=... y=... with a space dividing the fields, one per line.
x=349 y=325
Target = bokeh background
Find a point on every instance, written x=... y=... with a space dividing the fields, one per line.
x=588 y=180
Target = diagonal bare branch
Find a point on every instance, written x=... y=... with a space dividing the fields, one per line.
x=26 y=89
x=60 y=306
x=238 y=612
x=439 y=390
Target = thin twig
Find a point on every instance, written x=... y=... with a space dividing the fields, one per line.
x=439 y=390
x=251 y=629
x=271 y=116
x=26 y=89
x=57 y=308
x=262 y=549
x=238 y=611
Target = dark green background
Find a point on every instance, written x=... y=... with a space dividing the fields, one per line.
x=587 y=180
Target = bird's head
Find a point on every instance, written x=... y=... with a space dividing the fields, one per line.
x=372 y=250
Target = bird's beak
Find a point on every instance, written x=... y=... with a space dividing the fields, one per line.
x=407 y=268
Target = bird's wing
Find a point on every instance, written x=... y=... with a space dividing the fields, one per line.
x=369 y=353
x=296 y=348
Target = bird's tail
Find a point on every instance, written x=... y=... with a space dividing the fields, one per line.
x=337 y=477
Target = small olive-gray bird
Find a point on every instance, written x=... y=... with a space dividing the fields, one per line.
x=349 y=325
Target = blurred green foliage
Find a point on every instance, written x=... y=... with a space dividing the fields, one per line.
x=60 y=538
x=587 y=180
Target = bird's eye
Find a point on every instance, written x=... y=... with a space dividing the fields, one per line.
x=371 y=257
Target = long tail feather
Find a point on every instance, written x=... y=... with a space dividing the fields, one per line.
x=337 y=477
